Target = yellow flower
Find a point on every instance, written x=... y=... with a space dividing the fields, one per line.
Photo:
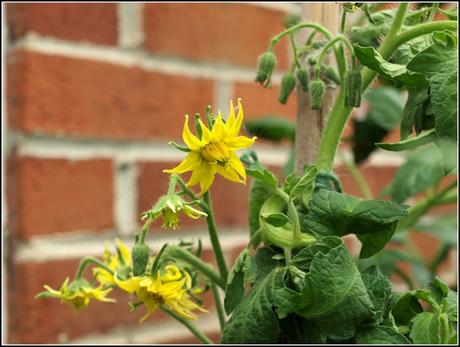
x=118 y=262
x=169 y=206
x=170 y=288
x=78 y=294
x=215 y=151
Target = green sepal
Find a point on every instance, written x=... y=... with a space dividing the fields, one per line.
x=317 y=89
x=287 y=86
x=140 y=255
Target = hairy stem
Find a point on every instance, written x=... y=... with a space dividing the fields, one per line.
x=219 y=255
x=193 y=329
x=90 y=260
x=218 y=302
x=180 y=253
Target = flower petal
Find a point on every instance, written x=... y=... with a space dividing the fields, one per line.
x=189 y=163
x=229 y=173
x=239 y=142
x=236 y=164
x=190 y=140
x=205 y=134
x=124 y=252
x=231 y=117
x=198 y=172
x=235 y=128
x=219 y=130
x=207 y=179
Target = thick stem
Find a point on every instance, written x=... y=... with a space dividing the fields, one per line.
x=90 y=260
x=193 y=329
x=180 y=253
x=219 y=255
x=218 y=302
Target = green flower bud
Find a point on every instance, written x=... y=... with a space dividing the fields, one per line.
x=311 y=60
x=287 y=86
x=317 y=45
x=140 y=254
x=317 y=89
x=353 y=88
x=331 y=74
x=291 y=20
x=267 y=63
x=303 y=78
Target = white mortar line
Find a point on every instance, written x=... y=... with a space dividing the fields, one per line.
x=125 y=197
x=73 y=149
x=137 y=58
x=79 y=244
x=223 y=92
x=289 y=8
x=130 y=25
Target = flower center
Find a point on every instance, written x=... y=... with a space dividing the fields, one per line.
x=216 y=152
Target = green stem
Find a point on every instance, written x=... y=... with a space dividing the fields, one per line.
x=344 y=21
x=442 y=253
x=193 y=329
x=218 y=302
x=219 y=255
x=444 y=328
x=144 y=230
x=330 y=44
x=405 y=278
x=294 y=50
x=180 y=253
x=357 y=176
x=90 y=260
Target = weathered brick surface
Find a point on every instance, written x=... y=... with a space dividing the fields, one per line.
x=65 y=96
x=235 y=33
x=96 y=23
x=55 y=196
x=49 y=321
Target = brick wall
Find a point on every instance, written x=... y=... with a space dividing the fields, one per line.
x=94 y=93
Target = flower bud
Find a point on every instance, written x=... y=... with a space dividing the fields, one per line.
x=267 y=63
x=331 y=74
x=140 y=254
x=317 y=89
x=311 y=60
x=353 y=88
x=290 y=21
x=302 y=77
x=287 y=86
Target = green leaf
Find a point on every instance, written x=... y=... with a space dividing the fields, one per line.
x=380 y=335
x=423 y=168
x=273 y=128
x=336 y=214
x=261 y=264
x=257 y=170
x=438 y=290
x=425 y=328
x=439 y=63
x=414 y=111
x=305 y=256
x=234 y=291
x=410 y=143
x=406 y=308
x=259 y=193
x=452 y=298
x=334 y=295
x=254 y=320
x=379 y=289
x=398 y=73
x=276 y=219
x=303 y=189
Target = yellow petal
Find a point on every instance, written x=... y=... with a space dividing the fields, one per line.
x=236 y=164
x=228 y=173
x=235 y=129
x=207 y=179
x=201 y=169
x=231 y=117
x=130 y=285
x=219 y=130
x=125 y=252
x=190 y=140
x=239 y=142
x=193 y=212
x=206 y=136
x=189 y=163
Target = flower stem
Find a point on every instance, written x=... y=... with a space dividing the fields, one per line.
x=218 y=302
x=180 y=253
x=292 y=212
x=331 y=44
x=90 y=260
x=193 y=329
x=144 y=230
x=219 y=255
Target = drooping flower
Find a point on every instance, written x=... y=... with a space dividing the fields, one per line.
x=120 y=262
x=78 y=294
x=169 y=207
x=215 y=151
x=171 y=287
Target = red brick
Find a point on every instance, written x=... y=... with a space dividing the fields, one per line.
x=95 y=23
x=258 y=101
x=57 y=320
x=56 y=195
x=235 y=33
x=65 y=96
